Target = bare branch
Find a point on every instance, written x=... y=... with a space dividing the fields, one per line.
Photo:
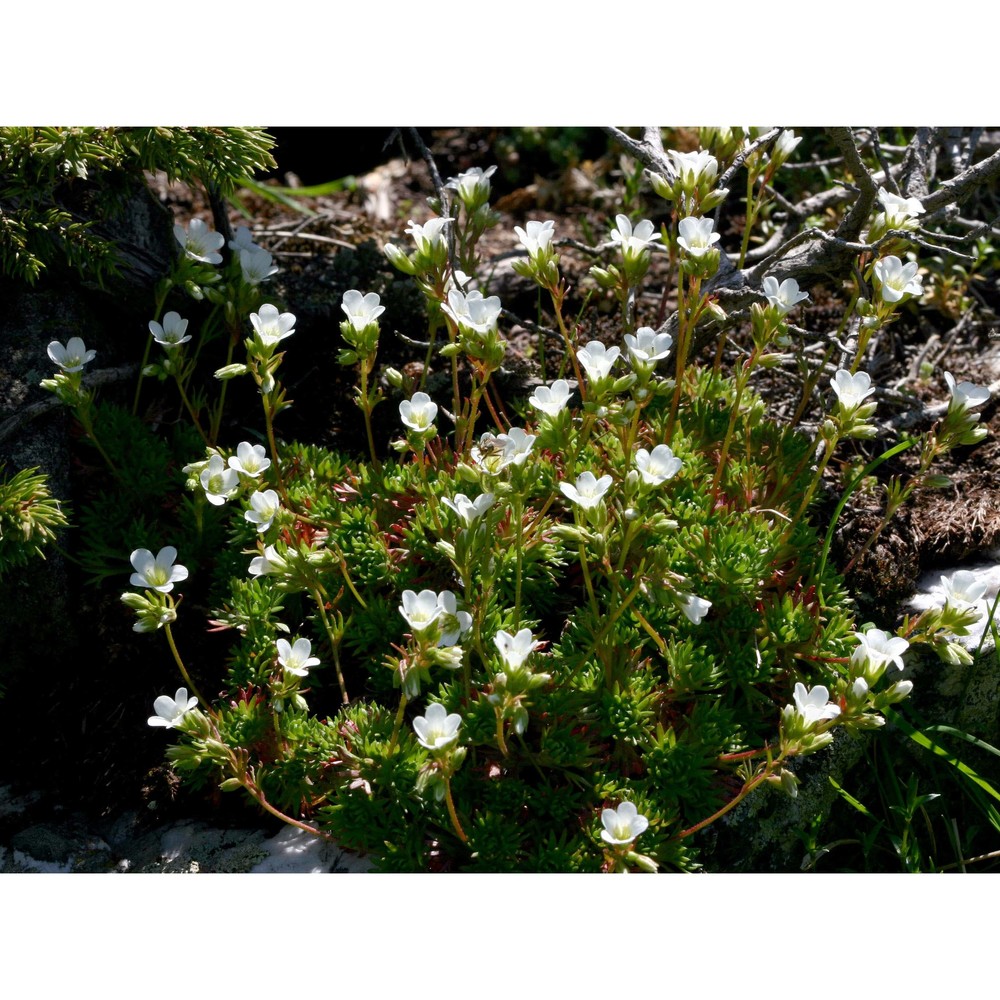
x=645 y=152
x=867 y=191
x=955 y=190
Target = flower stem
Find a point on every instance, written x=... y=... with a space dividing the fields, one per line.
x=451 y=812
x=180 y=663
x=334 y=644
x=398 y=724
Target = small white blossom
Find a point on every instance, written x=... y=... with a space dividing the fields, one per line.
x=473 y=312
x=897 y=279
x=272 y=326
x=430 y=235
x=269 y=562
x=899 y=210
x=361 y=310
x=469 y=511
x=784 y=297
x=436 y=729
x=657 y=466
x=814 y=705
x=199 y=242
x=647 y=346
x=633 y=240
x=963 y=589
x=785 y=144
x=473 y=186
x=171 y=333
x=73 y=356
x=295 y=659
x=879 y=649
x=256 y=265
x=250 y=459
x=218 y=482
x=517 y=444
x=265 y=506
x=694 y=608
x=242 y=240
x=420 y=610
x=418 y=413
x=551 y=400
x=597 y=359
x=851 y=390
x=965 y=395
x=693 y=168
x=622 y=825
x=452 y=622
x=588 y=491
x=170 y=711
x=157 y=572
x=515 y=649
x=696 y=235
x=536 y=237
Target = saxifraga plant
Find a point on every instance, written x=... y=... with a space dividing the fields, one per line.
x=607 y=619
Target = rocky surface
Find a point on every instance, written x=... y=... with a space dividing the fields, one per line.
x=62 y=844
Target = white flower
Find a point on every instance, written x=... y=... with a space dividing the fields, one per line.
x=648 y=346
x=269 y=562
x=694 y=608
x=430 y=235
x=473 y=312
x=256 y=265
x=692 y=168
x=473 y=186
x=879 y=649
x=515 y=649
x=265 y=506
x=551 y=400
x=696 y=235
x=517 y=444
x=588 y=491
x=250 y=459
x=242 y=240
x=418 y=413
x=536 y=237
x=156 y=572
x=420 y=610
x=851 y=390
x=814 y=705
x=272 y=326
x=784 y=297
x=965 y=395
x=172 y=331
x=963 y=589
x=218 y=482
x=496 y=451
x=897 y=279
x=622 y=825
x=436 y=729
x=597 y=359
x=361 y=310
x=658 y=466
x=73 y=356
x=452 y=622
x=170 y=711
x=785 y=144
x=469 y=511
x=199 y=242
x=295 y=659
x=898 y=210
x=634 y=240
